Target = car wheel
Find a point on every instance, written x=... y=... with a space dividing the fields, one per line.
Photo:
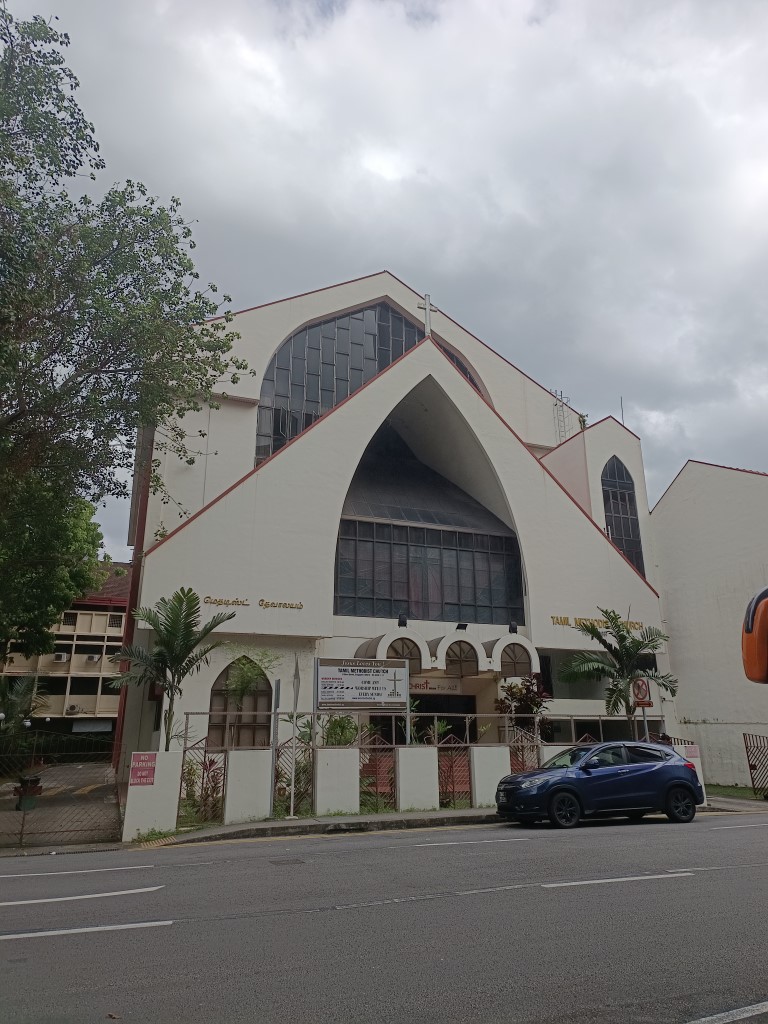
x=564 y=810
x=636 y=815
x=681 y=807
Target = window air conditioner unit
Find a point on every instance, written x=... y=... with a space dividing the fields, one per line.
x=60 y=656
x=93 y=657
x=72 y=709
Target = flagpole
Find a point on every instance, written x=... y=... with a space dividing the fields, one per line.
x=296 y=685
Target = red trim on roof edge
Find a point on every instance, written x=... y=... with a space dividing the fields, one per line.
x=711 y=465
x=378 y=273
x=378 y=376
x=591 y=425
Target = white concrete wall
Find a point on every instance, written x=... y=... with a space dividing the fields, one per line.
x=488 y=764
x=250 y=781
x=337 y=780
x=156 y=806
x=227 y=450
x=713 y=553
x=287 y=513
x=418 y=785
x=568 y=462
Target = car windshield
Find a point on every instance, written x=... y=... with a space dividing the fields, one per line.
x=567 y=758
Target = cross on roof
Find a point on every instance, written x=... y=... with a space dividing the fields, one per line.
x=428 y=308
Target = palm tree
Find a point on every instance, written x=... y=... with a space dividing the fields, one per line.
x=621 y=661
x=178 y=649
x=20 y=699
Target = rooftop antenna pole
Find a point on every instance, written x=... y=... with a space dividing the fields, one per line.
x=621 y=399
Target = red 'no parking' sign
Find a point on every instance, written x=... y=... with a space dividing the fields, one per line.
x=641 y=692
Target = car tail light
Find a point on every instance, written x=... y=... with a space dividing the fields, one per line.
x=691 y=765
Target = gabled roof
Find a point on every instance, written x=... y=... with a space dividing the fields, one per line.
x=322 y=419
x=709 y=465
x=591 y=426
x=378 y=273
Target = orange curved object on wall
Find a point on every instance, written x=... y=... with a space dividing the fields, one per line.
x=754 y=639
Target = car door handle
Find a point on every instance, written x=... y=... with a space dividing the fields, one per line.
x=623 y=771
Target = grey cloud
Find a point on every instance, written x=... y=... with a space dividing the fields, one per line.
x=582 y=184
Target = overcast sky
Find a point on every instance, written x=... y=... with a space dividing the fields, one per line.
x=583 y=184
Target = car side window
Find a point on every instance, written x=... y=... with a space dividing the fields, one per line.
x=609 y=756
x=645 y=755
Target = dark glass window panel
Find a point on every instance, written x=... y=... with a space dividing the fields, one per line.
x=383 y=531
x=383 y=609
x=313 y=360
x=410 y=335
x=295 y=424
x=342 y=365
x=384 y=359
x=384 y=336
x=365 y=530
x=342 y=342
x=283 y=357
x=346 y=585
x=342 y=321
x=369 y=346
x=466 y=540
x=356 y=332
x=369 y=320
x=382 y=313
x=309 y=419
x=346 y=606
x=326 y=376
x=313 y=389
x=397 y=325
x=328 y=329
x=297 y=396
x=312 y=406
x=400 y=533
x=264 y=421
x=481 y=542
x=348 y=528
x=357 y=315
x=282 y=382
x=397 y=348
x=267 y=392
x=370 y=369
x=263 y=448
x=270 y=374
x=416 y=536
x=355 y=380
x=313 y=337
x=299 y=343
x=356 y=357
x=342 y=390
x=298 y=369
x=328 y=351
x=621 y=518
x=326 y=400
x=364 y=607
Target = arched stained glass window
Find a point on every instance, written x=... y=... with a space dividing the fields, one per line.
x=621 y=520
x=321 y=365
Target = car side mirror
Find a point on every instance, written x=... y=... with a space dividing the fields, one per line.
x=591 y=764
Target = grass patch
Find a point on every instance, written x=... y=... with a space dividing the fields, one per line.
x=733 y=792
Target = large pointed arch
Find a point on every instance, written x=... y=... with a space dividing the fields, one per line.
x=415 y=540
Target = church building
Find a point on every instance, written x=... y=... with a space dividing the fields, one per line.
x=386 y=485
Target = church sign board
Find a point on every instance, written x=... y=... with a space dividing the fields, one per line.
x=360 y=683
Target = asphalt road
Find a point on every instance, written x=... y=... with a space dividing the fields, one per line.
x=611 y=923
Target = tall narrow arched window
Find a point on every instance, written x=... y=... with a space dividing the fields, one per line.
x=241 y=701
x=621 y=520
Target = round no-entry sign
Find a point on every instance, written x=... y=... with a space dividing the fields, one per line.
x=641 y=691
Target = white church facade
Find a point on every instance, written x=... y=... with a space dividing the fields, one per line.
x=385 y=485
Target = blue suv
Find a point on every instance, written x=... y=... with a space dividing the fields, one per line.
x=603 y=779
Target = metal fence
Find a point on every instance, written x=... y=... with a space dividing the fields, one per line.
x=56 y=789
x=377 y=735
x=757 y=758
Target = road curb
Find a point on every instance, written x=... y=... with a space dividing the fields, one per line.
x=311 y=828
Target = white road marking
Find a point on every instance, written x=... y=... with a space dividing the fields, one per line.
x=461 y=842
x=722 y=828
x=605 y=881
x=89 y=896
x=82 y=871
x=729 y=1015
x=80 y=931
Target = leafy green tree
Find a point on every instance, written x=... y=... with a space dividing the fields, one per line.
x=104 y=328
x=623 y=659
x=178 y=649
x=49 y=556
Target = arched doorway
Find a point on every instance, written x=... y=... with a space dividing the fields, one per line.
x=241 y=700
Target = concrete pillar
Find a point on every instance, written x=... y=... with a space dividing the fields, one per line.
x=418 y=787
x=337 y=780
x=249 y=785
x=488 y=765
x=154 y=805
